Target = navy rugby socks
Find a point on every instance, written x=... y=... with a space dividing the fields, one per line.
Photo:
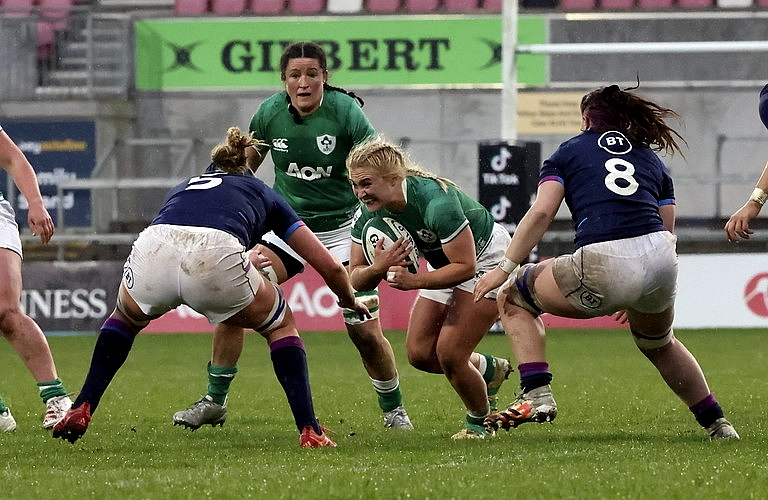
x=707 y=411
x=289 y=360
x=111 y=350
x=533 y=375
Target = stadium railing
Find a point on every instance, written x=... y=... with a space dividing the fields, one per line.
x=54 y=17
x=336 y=7
x=117 y=191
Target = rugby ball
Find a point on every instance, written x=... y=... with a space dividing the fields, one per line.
x=389 y=230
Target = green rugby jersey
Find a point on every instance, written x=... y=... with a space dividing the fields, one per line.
x=309 y=158
x=434 y=217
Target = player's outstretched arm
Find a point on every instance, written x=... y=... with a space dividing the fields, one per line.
x=306 y=244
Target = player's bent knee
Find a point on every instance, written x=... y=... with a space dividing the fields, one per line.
x=519 y=289
x=135 y=322
x=270 y=273
x=646 y=343
x=371 y=300
x=276 y=314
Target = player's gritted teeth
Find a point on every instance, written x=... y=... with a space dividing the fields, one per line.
x=368 y=202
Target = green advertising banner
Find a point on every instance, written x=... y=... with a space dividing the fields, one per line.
x=391 y=51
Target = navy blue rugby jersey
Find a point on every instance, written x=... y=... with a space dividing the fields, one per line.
x=239 y=204
x=613 y=188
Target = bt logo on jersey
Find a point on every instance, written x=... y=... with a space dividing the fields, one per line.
x=614 y=142
x=756 y=294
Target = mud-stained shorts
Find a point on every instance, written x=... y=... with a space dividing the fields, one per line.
x=639 y=273
x=488 y=259
x=206 y=269
x=9 y=230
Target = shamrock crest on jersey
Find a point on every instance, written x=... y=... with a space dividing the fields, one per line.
x=426 y=235
x=326 y=144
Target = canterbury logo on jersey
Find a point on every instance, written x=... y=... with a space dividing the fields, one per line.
x=280 y=144
x=326 y=144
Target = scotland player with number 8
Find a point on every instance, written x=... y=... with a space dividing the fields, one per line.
x=621 y=199
x=460 y=240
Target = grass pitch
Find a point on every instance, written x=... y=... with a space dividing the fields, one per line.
x=621 y=433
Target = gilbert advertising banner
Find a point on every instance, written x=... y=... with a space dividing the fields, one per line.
x=387 y=51
x=59 y=151
x=68 y=297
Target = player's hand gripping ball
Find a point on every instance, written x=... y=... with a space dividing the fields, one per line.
x=389 y=230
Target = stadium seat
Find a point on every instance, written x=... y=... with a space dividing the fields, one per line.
x=306 y=6
x=46 y=34
x=17 y=8
x=422 y=6
x=267 y=6
x=56 y=12
x=492 y=5
x=655 y=4
x=695 y=4
x=190 y=7
x=461 y=5
x=344 y=6
x=616 y=4
x=382 y=6
x=578 y=4
x=228 y=7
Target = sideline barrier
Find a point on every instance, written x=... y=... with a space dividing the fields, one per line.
x=75 y=297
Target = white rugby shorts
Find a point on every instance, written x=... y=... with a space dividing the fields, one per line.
x=206 y=269
x=638 y=273
x=488 y=259
x=9 y=230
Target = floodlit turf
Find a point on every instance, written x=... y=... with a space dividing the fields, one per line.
x=620 y=433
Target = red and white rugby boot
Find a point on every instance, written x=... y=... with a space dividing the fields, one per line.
x=536 y=405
